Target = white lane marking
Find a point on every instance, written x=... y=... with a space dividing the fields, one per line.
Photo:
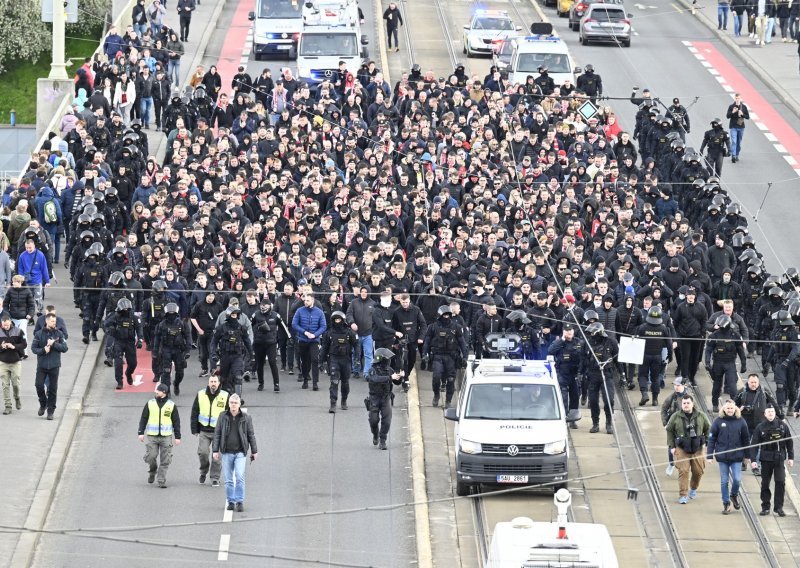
x=728 y=89
x=780 y=148
x=761 y=125
x=707 y=65
x=699 y=56
x=227 y=517
x=790 y=160
x=753 y=116
x=797 y=171
x=224 y=546
x=687 y=43
x=771 y=137
x=720 y=79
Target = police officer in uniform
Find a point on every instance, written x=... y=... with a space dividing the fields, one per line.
x=718 y=143
x=567 y=351
x=680 y=118
x=521 y=324
x=445 y=346
x=172 y=341
x=597 y=364
x=125 y=329
x=209 y=403
x=337 y=347
x=725 y=343
x=782 y=353
x=230 y=347
x=91 y=278
x=590 y=83
x=777 y=447
x=657 y=340
x=109 y=300
x=152 y=315
x=380 y=378
x=160 y=423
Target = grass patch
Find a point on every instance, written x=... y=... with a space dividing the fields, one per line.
x=18 y=83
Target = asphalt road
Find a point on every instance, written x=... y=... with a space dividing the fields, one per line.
x=310 y=463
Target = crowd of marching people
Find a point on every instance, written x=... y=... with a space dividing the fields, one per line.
x=297 y=228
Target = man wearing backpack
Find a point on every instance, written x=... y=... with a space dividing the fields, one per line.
x=670 y=406
x=48 y=211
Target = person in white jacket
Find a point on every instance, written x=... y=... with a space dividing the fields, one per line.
x=124 y=97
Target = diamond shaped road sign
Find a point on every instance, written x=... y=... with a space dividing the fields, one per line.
x=587 y=110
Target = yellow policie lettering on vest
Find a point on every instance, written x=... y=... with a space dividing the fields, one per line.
x=159 y=422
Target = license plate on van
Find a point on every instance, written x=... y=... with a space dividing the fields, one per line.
x=512 y=479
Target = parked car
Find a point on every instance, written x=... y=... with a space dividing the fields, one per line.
x=606 y=23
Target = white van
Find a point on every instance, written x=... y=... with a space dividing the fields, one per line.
x=524 y=542
x=276 y=28
x=531 y=52
x=511 y=426
x=331 y=33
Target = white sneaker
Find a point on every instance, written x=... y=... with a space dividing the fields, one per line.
x=670 y=470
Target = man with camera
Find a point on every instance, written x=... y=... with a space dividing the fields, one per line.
x=687 y=433
x=752 y=400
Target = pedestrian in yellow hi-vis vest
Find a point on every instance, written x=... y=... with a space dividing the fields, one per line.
x=158 y=424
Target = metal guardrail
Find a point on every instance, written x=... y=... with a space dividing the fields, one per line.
x=121 y=21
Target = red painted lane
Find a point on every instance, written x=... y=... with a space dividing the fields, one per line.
x=143 y=374
x=786 y=135
x=233 y=45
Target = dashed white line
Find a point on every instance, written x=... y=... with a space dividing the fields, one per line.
x=707 y=65
x=797 y=171
x=790 y=160
x=771 y=137
x=780 y=148
x=699 y=57
x=227 y=517
x=685 y=42
x=761 y=126
x=753 y=116
x=720 y=79
x=224 y=546
x=728 y=89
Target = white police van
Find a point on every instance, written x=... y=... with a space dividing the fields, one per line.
x=511 y=427
x=525 y=542
x=276 y=28
x=529 y=53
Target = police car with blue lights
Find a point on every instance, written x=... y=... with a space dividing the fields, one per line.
x=486 y=29
x=531 y=53
x=511 y=426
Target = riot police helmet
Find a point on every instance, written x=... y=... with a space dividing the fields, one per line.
x=596 y=329
x=338 y=315
x=383 y=354
x=654 y=316
x=159 y=286
x=723 y=321
x=124 y=304
x=444 y=311
x=171 y=308
x=590 y=315
x=116 y=277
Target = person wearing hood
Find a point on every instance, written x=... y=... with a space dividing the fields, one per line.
x=727 y=444
x=726 y=289
x=718 y=143
x=49 y=213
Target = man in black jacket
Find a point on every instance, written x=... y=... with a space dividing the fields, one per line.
x=234 y=437
x=12 y=350
x=266 y=323
x=774 y=439
x=204 y=317
x=337 y=347
x=409 y=321
x=689 y=321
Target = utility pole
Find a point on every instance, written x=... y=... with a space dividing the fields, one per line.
x=58 y=69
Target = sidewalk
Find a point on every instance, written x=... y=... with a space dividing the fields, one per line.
x=35 y=449
x=775 y=64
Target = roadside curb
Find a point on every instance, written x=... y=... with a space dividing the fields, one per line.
x=54 y=466
x=377 y=8
x=421 y=519
x=751 y=63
